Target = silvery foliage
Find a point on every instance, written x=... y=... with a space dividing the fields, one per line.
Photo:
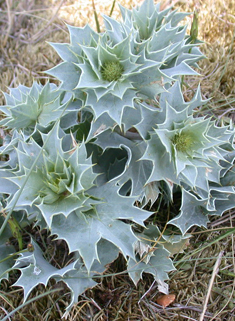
x=88 y=160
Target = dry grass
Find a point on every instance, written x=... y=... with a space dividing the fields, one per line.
x=201 y=293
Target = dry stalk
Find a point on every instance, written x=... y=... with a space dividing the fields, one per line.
x=233 y=260
x=44 y=30
x=215 y=271
x=10 y=16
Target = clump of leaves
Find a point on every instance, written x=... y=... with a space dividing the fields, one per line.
x=88 y=160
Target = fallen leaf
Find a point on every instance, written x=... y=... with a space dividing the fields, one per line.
x=165 y=300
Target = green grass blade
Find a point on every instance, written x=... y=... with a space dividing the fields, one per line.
x=7 y=317
x=96 y=17
x=216 y=240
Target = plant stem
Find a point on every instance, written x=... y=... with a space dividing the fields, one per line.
x=96 y=17
x=112 y=8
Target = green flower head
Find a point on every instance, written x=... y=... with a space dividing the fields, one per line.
x=130 y=60
x=112 y=71
x=185 y=149
x=183 y=142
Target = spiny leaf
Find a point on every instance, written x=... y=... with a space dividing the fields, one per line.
x=193 y=212
x=158 y=265
x=36 y=270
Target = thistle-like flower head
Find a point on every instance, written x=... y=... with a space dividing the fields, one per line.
x=185 y=149
x=112 y=71
x=103 y=73
x=132 y=59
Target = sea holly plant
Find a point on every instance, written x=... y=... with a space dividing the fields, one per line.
x=99 y=159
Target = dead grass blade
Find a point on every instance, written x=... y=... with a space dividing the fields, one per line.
x=215 y=271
